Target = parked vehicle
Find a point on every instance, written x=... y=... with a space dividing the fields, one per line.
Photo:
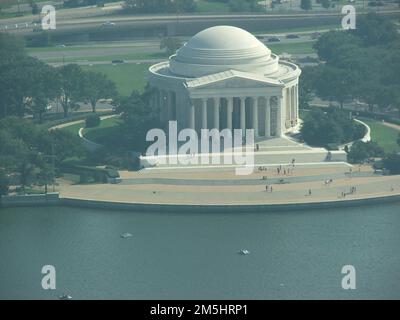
x=315 y=35
x=274 y=39
x=108 y=23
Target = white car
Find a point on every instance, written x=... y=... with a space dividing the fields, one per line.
x=108 y=23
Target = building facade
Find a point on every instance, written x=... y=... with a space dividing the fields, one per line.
x=224 y=77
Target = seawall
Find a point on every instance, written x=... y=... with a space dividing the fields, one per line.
x=53 y=199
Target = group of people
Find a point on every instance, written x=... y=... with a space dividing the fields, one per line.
x=284 y=171
x=353 y=189
x=269 y=188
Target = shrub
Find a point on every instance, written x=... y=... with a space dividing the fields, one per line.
x=361 y=151
x=392 y=163
x=92 y=121
x=3 y=183
x=330 y=126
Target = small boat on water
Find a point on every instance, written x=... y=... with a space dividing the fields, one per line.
x=126 y=235
x=244 y=252
x=65 y=297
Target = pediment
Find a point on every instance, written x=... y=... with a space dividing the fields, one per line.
x=232 y=79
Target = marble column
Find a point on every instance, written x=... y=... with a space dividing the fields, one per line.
x=267 y=117
x=163 y=113
x=216 y=113
x=204 y=113
x=229 y=110
x=293 y=106
x=296 y=104
x=191 y=115
x=255 y=116
x=243 y=114
x=169 y=105
x=289 y=104
x=279 y=121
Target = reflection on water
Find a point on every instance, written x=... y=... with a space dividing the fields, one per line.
x=195 y=256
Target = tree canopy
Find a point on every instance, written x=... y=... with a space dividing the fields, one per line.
x=359 y=64
x=333 y=126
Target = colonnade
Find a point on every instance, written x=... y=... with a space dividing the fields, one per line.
x=268 y=115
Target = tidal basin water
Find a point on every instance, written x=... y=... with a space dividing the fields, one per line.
x=293 y=255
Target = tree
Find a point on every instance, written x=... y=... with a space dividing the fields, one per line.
x=244 y=5
x=26 y=84
x=138 y=118
x=34 y=7
x=4 y=183
x=307 y=85
x=170 y=45
x=361 y=151
x=98 y=86
x=374 y=29
x=92 y=121
x=392 y=163
x=45 y=175
x=335 y=84
x=154 y=6
x=306 y=5
x=330 y=44
x=341 y=128
x=45 y=86
x=326 y=4
x=73 y=86
x=27 y=149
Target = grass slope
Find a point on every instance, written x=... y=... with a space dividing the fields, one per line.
x=127 y=77
x=386 y=137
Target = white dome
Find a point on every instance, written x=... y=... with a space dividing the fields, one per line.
x=221 y=48
x=225 y=38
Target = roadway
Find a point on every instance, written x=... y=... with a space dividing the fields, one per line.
x=67 y=23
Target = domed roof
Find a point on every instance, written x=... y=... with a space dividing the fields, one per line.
x=225 y=38
x=222 y=48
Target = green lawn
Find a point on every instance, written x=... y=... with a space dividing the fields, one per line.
x=292 y=48
x=209 y=6
x=74 y=128
x=126 y=56
x=128 y=77
x=386 y=137
x=96 y=134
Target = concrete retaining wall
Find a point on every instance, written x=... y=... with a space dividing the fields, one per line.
x=226 y=208
x=52 y=199
x=30 y=200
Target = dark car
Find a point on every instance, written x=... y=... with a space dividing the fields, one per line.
x=117 y=61
x=274 y=39
x=292 y=36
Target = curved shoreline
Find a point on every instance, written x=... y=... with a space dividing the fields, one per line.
x=53 y=199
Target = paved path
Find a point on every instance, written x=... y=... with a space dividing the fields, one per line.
x=391 y=125
x=237 y=194
x=64 y=125
x=224 y=187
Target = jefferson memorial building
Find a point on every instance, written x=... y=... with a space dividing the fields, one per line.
x=224 y=77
